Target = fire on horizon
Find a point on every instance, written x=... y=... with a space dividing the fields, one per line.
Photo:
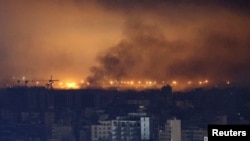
x=121 y=85
x=129 y=43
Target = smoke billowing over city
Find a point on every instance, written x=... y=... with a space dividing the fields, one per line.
x=125 y=40
x=124 y=70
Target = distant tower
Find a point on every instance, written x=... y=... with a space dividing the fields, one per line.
x=167 y=90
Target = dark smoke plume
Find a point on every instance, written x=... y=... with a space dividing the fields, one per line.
x=146 y=53
x=138 y=39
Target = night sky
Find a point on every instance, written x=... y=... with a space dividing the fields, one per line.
x=161 y=40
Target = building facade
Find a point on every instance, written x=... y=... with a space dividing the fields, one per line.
x=125 y=130
x=194 y=134
x=171 y=131
x=101 y=132
x=134 y=127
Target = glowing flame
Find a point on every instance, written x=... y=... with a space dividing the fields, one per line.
x=72 y=85
x=132 y=83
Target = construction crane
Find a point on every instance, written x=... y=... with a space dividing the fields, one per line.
x=48 y=85
x=51 y=82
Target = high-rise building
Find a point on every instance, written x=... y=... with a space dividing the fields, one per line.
x=134 y=127
x=125 y=129
x=171 y=131
x=146 y=128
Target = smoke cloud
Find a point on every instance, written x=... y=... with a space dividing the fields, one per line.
x=53 y=37
x=179 y=42
x=125 y=40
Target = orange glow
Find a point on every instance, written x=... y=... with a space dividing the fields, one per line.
x=68 y=84
x=93 y=41
x=72 y=85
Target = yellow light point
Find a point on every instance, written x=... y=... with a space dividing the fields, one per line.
x=82 y=81
x=111 y=82
x=174 y=82
x=150 y=82
x=189 y=82
x=131 y=82
x=61 y=83
x=37 y=82
x=200 y=82
x=139 y=82
x=206 y=81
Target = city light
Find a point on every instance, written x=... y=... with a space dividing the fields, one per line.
x=180 y=84
x=174 y=82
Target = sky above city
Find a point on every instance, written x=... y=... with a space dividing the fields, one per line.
x=160 y=40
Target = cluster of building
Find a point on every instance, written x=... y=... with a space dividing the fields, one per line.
x=37 y=114
x=141 y=127
x=133 y=127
